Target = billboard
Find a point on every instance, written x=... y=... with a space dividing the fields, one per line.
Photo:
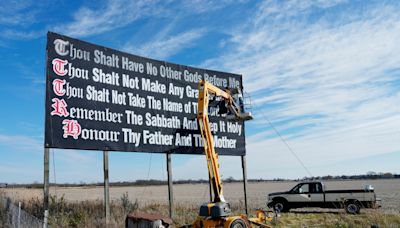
x=98 y=98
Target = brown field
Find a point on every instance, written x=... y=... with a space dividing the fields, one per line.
x=188 y=198
x=387 y=190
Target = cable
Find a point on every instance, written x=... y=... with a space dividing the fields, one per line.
x=148 y=175
x=148 y=171
x=207 y=187
x=286 y=143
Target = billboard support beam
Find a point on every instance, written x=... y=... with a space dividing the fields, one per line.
x=106 y=187
x=170 y=189
x=46 y=188
x=244 y=181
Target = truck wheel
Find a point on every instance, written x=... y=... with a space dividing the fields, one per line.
x=352 y=208
x=238 y=223
x=281 y=206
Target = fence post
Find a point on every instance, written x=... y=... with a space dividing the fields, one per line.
x=19 y=214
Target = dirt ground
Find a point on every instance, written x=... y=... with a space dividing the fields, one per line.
x=387 y=190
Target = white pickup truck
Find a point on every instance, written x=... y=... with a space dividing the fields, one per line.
x=313 y=194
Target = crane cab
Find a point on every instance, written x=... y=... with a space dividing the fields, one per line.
x=215 y=210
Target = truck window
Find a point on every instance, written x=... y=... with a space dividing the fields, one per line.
x=295 y=189
x=319 y=188
x=315 y=188
x=304 y=188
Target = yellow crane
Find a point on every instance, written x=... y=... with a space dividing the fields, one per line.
x=218 y=212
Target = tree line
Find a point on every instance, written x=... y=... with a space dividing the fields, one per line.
x=143 y=182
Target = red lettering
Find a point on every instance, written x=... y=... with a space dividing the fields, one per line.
x=58 y=66
x=71 y=128
x=60 y=107
x=58 y=87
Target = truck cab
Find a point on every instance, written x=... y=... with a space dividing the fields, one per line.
x=314 y=194
x=306 y=194
x=310 y=194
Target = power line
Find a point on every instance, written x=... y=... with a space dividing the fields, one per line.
x=148 y=174
x=148 y=171
x=285 y=142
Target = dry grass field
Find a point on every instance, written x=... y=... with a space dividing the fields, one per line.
x=188 y=197
x=387 y=190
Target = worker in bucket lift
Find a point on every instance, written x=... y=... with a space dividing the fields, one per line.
x=238 y=99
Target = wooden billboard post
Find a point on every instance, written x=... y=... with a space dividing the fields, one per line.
x=106 y=187
x=244 y=181
x=46 y=188
x=170 y=189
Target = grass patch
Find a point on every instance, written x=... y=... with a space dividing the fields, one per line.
x=338 y=220
x=65 y=213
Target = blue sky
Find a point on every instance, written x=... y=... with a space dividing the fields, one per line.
x=325 y=73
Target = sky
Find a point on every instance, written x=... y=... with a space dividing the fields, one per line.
x=324 y=73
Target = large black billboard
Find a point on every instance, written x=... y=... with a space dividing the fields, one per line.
x=98 y=98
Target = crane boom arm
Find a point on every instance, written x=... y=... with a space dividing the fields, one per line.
x=205 y=90
x=218 y=213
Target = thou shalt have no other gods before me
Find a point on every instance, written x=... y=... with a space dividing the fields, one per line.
x=103 y=99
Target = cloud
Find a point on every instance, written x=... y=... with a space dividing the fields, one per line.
x=16 y=18
x=19 y=173
x=17 y=13
x=323 y=150
x=86 y=164
x=204 y=6
x=165 y=46
x=73 y=157
x=115 y=14
x=21 y=35
x=329 y=81
x=21 y=143
x=197 y=164
x=30 y=76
